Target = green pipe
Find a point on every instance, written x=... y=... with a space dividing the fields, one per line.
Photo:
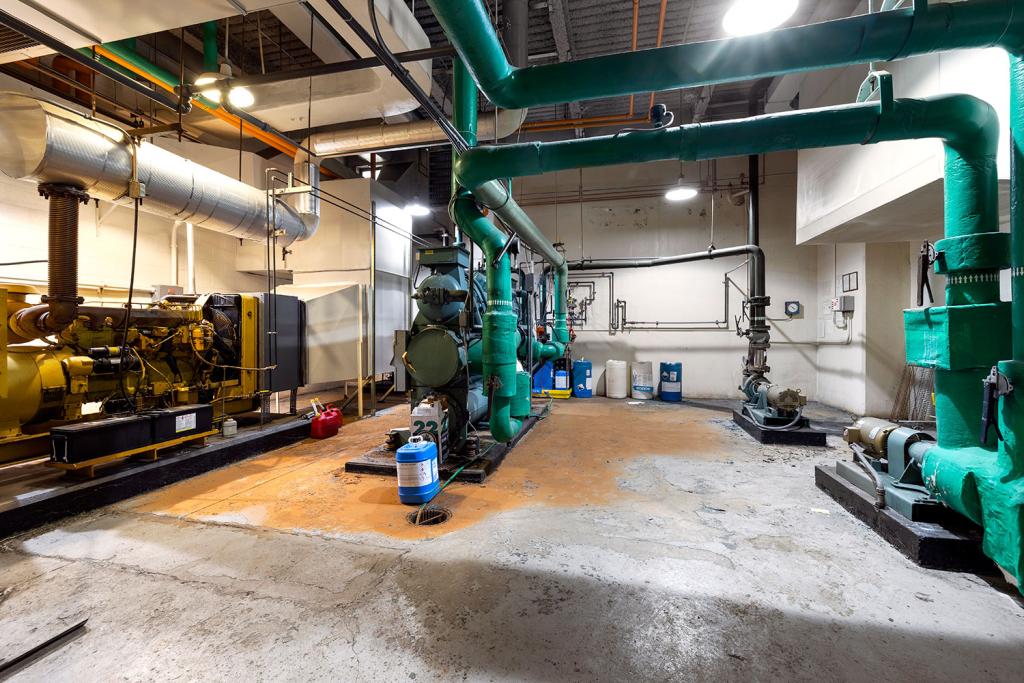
x=880 y=36
x=211 y=55
x=500 y=320
x=1017 y=201
x=968 y=126
x=125 y=49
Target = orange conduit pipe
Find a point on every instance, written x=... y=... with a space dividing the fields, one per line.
x=263 y=136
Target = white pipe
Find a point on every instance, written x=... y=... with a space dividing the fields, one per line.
x=190 y=258
x=174 y=253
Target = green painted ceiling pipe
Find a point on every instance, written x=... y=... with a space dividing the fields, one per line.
x=968 y=126
x=881 y=36
x=211 y=55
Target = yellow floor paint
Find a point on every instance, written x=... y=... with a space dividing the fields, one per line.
x=573 y=458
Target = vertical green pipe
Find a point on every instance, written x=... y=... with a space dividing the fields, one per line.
x=500 y=321
x=210 y=53
x=1017 y=202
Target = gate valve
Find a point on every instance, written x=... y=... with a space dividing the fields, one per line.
x=995 y=385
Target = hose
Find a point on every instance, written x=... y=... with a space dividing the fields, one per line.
x=795 y=421
x=861 y=459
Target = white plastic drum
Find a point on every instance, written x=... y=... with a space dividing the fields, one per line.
x=616 y=379
x=643 y=380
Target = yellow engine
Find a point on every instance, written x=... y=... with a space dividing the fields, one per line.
x=181 y=350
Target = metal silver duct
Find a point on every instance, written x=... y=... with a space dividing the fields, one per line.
x=46 y=143
x=385 y=137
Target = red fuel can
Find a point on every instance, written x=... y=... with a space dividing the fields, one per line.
x=326 y=423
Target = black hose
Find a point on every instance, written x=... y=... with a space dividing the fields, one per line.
x=22 y=263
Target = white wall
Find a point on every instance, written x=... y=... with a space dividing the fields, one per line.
x=651 y=226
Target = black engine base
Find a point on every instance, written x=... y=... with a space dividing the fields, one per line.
x=952 y=544
x=803 y=436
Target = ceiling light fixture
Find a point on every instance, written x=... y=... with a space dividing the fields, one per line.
x=681 y=193
x=416 y=210
x=747 y=17
x=209 y=84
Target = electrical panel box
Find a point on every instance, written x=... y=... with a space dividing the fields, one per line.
x=841 y=304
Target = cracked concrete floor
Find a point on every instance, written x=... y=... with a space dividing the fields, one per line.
x=618 y=542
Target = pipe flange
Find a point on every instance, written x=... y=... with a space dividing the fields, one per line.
x=48 y=190
x=46 y=298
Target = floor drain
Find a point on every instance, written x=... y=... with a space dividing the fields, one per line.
x=430 y=516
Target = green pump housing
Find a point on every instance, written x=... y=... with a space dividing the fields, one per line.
x=443 y=349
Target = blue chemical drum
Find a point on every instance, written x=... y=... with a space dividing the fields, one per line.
x=544 y=379
x=583 y=379
x=418 y=481
x=671 y=381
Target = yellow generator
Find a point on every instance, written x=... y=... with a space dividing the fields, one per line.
x=182 y=350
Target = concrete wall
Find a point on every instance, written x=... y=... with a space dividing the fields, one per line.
x=645 y=224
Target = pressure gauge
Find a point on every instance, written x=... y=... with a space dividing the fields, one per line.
x=792 y=308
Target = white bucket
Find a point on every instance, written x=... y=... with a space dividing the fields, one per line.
x=616 y=379
x=643 y=380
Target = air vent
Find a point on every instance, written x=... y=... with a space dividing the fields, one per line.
x=12 y=41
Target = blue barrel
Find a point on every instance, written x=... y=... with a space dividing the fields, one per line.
x=544 y=379
x=583 y=379
x=671 y=382
x=418 y=481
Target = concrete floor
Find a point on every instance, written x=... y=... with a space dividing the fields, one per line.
x=617 y=542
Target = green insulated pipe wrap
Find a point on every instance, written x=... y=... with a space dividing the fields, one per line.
x=1017 y=201
x=881 y=36
x=500 y=333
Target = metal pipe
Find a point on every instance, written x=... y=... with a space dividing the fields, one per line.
x=190 y=259
x=517 y=24
x=74 y=55
x=46 y=143
x=880 y=36
x=755 y=253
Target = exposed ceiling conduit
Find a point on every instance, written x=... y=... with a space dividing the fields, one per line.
x=46 y=143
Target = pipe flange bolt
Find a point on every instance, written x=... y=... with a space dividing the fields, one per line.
x=48 y=190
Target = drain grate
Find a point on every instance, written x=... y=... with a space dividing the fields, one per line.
x=430 y=516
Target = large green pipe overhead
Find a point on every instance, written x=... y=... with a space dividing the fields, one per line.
x=881 y=36
x=968 y=126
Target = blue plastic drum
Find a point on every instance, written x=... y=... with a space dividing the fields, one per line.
x=671 y=382
x=583 y=379
x=418 y=480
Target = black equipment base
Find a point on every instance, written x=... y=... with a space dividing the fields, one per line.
x=478 y=467
x=952 y=544
x=63 y=498
x=804 y=436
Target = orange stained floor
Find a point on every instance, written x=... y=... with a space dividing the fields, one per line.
x=573 y=458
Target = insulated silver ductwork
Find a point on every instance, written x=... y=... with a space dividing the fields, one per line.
x=47 y=143
x=384 y=137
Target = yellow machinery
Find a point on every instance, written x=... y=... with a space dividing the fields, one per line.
x=181 y=350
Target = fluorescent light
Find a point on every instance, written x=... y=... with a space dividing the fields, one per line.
x=366 y=173
x=747 y=17
x=241 y=97
x=416 y=209
x=681 y=193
